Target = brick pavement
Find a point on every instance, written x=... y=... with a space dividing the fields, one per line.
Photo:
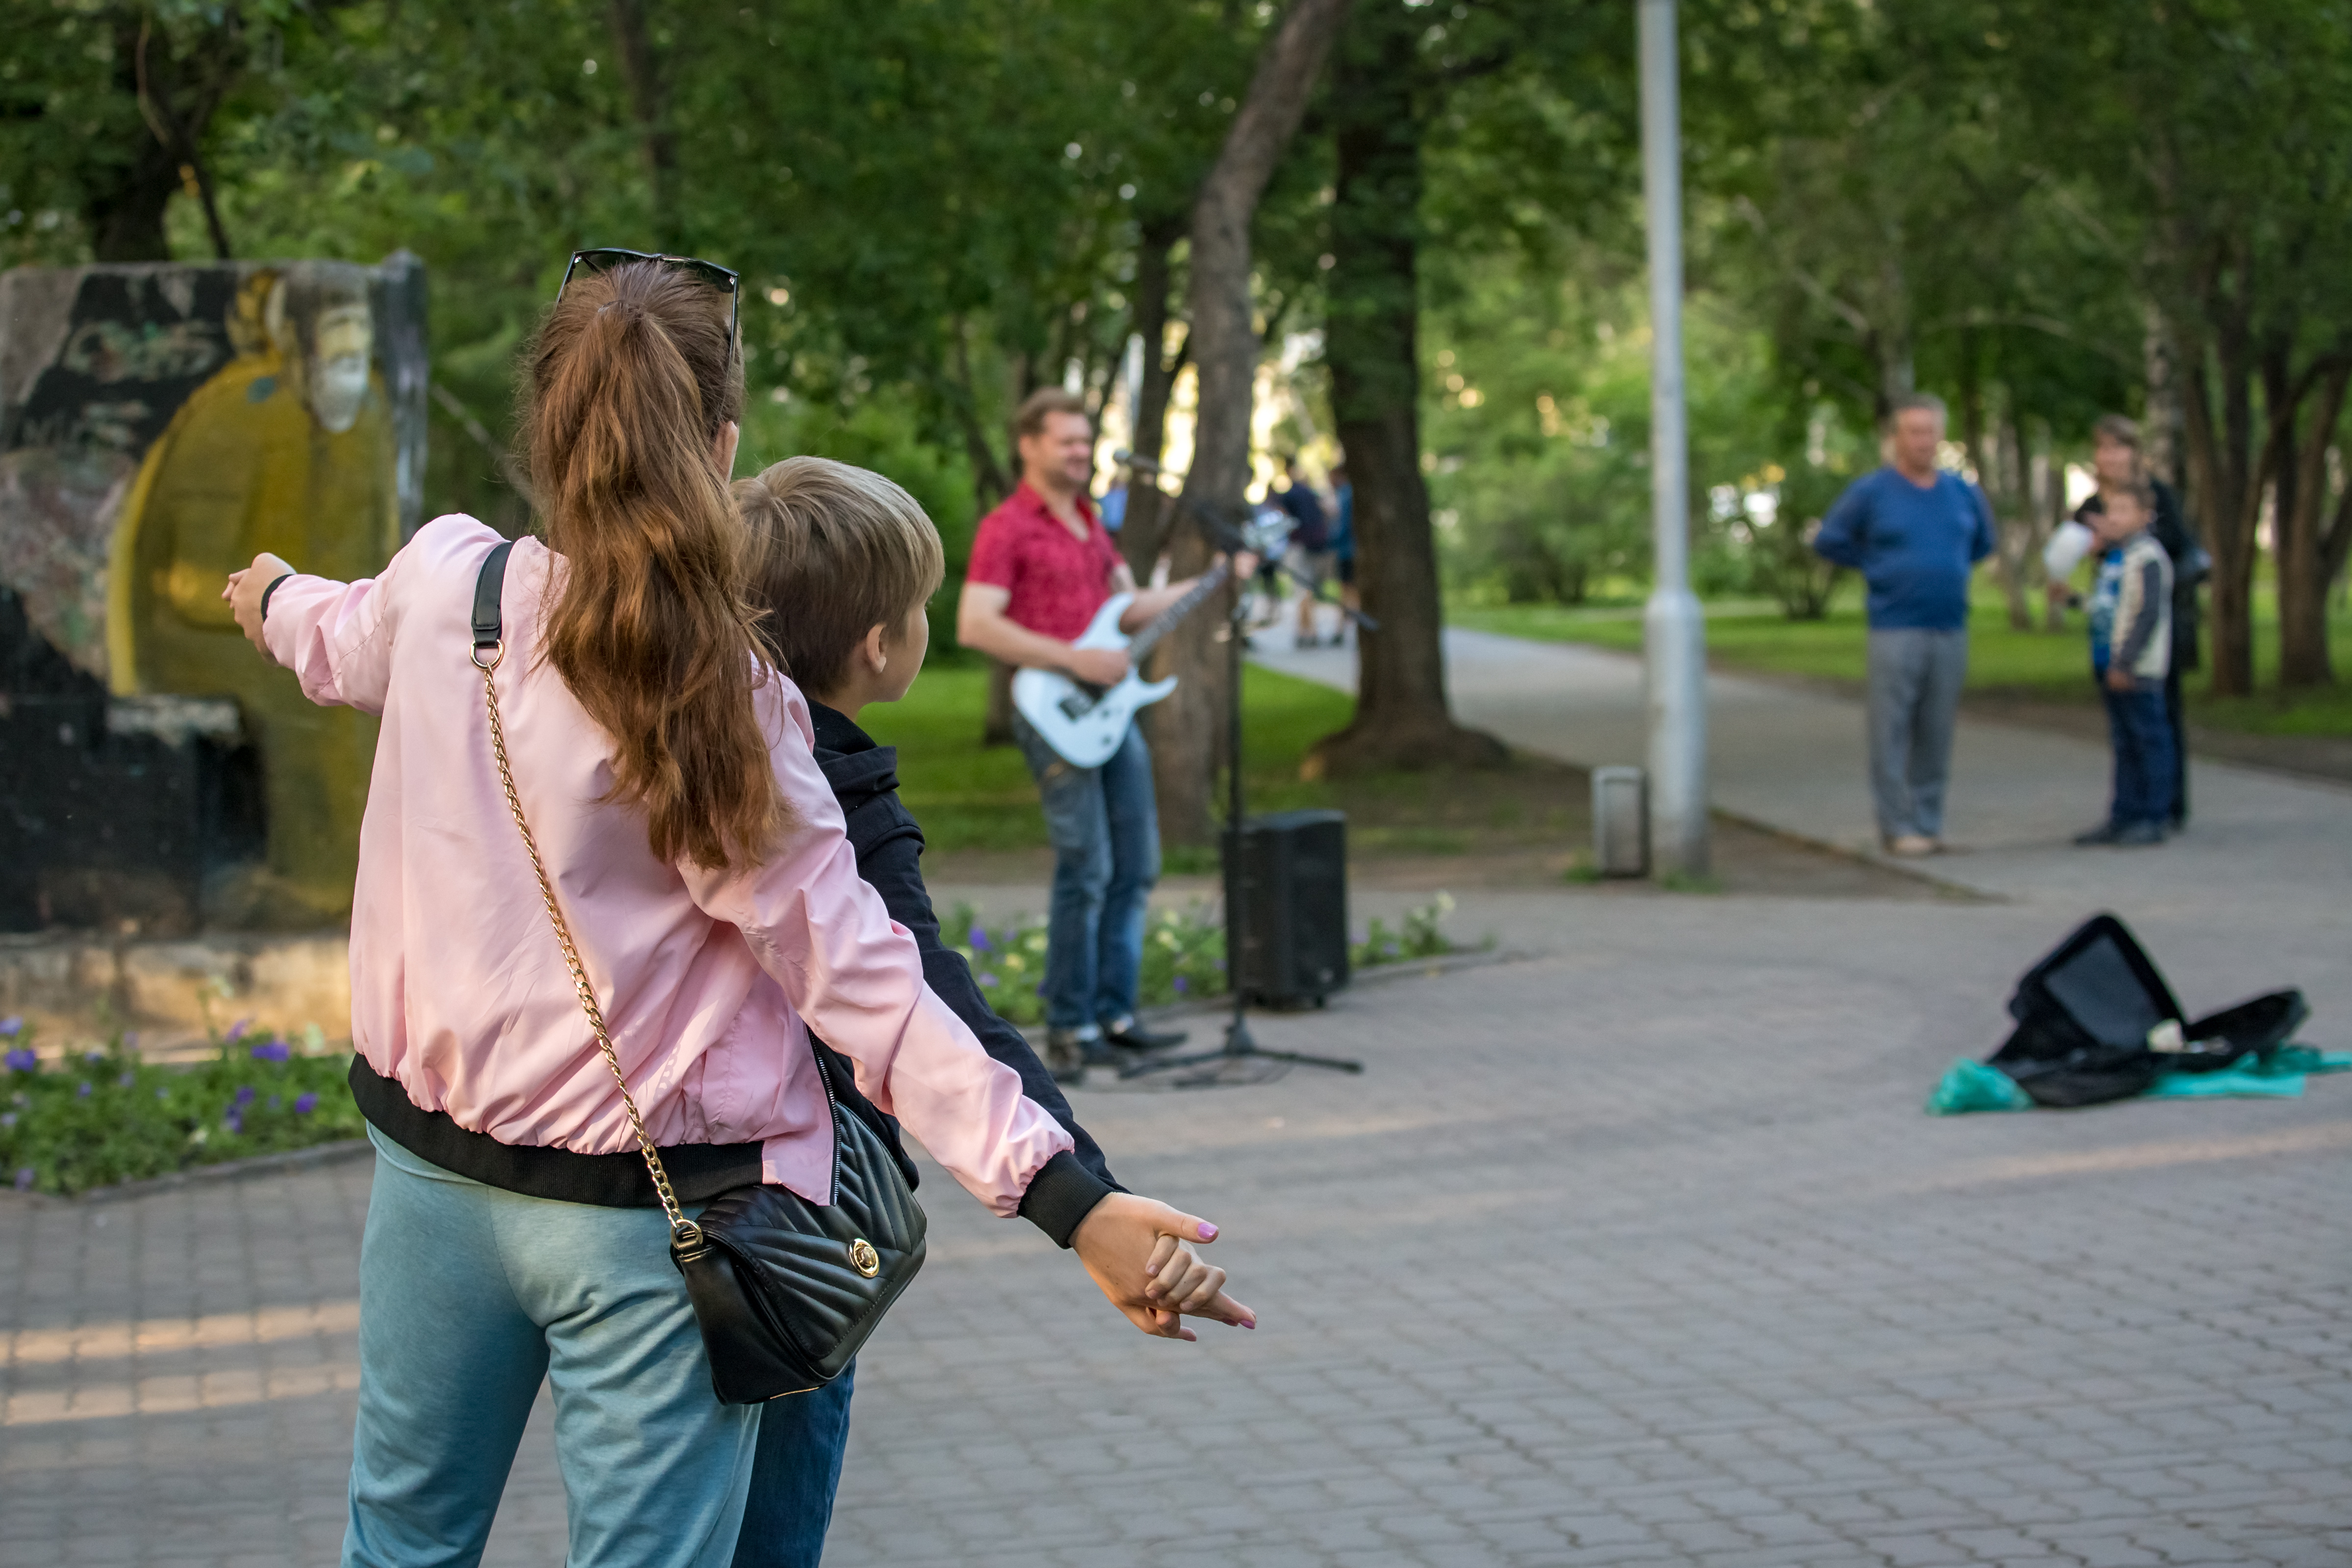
x=1635 y=1250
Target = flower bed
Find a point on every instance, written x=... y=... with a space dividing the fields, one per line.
x=1184 y=954
x=103 y=1116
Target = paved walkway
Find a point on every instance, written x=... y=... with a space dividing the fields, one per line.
x=1636 y=1249
x=1794 y=758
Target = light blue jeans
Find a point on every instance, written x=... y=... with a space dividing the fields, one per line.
x=470 y=1296
x=1104 y=827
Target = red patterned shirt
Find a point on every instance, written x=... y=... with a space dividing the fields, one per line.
x=1057 y=580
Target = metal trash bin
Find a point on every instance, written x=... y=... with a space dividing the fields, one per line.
x=1621 y=822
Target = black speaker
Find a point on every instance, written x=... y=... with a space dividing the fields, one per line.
x=1286 y=907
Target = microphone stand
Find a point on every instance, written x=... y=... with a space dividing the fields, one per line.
x=1240 y=1044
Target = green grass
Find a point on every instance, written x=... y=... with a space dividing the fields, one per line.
x=968 y=797
x=2044 y=666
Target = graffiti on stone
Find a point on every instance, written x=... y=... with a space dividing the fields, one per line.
x=162 y=424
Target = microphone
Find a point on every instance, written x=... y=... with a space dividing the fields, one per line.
x=1127 y=460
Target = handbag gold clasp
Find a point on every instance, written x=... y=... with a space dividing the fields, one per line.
x=864 y=1258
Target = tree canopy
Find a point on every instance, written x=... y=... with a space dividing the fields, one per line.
x=2041 y=211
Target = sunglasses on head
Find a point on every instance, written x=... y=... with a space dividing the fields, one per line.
x=711 y=272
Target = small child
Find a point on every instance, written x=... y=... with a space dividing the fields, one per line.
x=2131 y=648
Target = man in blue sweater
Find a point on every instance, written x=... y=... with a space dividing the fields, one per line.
x=1916 y=534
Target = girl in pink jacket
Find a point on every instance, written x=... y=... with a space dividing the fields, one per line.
x=697 y=854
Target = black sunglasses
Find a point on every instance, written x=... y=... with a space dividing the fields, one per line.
x=711 y=272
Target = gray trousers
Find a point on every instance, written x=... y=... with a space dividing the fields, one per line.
x=1914 y=696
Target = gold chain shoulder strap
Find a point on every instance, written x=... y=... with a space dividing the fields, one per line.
x=684 y=1232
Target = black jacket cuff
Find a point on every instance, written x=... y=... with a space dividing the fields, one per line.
x=272 y=592
x=1060 y=1195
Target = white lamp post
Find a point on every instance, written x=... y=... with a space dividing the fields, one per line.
x=1673 y=631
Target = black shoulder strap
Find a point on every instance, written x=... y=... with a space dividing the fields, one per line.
x=488 y=623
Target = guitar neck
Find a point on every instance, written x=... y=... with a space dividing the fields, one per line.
x=1140 y=646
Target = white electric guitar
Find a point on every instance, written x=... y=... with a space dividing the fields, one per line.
x=1085 y=725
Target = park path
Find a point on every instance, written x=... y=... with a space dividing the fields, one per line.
x=1792 y=757
x=1633 y=1249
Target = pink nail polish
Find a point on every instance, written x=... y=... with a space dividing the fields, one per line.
x=1208 y=1231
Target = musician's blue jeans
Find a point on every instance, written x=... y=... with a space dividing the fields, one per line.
x=1104 y=827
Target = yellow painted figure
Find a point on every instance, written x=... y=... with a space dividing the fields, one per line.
x=289 y=449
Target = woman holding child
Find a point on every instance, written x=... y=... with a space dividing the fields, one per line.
x=698 y=853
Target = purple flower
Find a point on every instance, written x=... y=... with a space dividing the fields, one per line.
x=245 y=1096
x=82 y=1091
x=11 y=1027
x=979 y=939
x=26 y=1176
x=233 y=1120
x=236 y=1030
x=988 y=980
x=126 y=1080
x=8 y=1120
x=272 y=1051
x=93 y=1056
x=305 y=1103
x=1182 y=986
x=21 y=1059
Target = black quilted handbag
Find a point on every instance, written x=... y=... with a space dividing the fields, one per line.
x=785 y=1290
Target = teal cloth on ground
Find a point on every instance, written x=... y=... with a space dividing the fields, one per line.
x=1973 y=1086
x=2242 y=1080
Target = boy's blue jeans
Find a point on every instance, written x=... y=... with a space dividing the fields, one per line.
x=801 y=1441
x=470 y=1297
x=2141 y=733
x=1105 y=826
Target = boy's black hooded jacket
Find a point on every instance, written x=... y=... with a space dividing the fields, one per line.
x=889 y=848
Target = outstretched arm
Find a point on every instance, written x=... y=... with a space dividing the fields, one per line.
x=1131 y=1246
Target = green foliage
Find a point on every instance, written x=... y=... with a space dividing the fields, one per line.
x=1183 y=958
x=103 y=1116
x=1540 y=434
x=1417 y=935
x=1184 y=954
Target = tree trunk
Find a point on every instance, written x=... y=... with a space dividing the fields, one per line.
x=1144 y=531
x=175 y=102
x=2225 y=482
x=1186 y=727
x=2160 y=426
x=650 y=99
x=1402 y=719
x=2303 y=574
x=2013 y=527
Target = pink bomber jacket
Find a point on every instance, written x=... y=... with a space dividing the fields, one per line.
x=459 y=994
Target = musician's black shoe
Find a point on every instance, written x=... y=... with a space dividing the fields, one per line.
x=1129 y=1037
x=1067 y=1055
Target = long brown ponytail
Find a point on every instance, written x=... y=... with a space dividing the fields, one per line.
x=631 y=381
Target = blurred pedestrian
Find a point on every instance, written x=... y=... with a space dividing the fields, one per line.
x=1914 y=532
x=1310 y=544
x=1343 y=539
